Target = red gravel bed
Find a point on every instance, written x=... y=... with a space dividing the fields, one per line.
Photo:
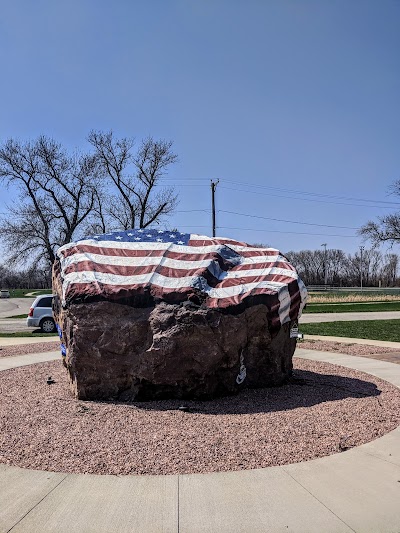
x=21 y=349
x=326 y=409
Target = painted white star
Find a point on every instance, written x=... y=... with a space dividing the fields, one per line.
x=172 y=235
x=140 y=231
x=137 y=239
x=160 y=231
x=118 y=237
x=159 y=240
x=96 y=237
x=149 y=235
x=129 y=234
x=180 y=242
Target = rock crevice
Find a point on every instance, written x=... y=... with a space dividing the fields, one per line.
x=117 y=352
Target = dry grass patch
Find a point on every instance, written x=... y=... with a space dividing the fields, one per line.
x=314 y=298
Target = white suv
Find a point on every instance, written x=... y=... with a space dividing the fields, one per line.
x=4 y=293
x=41 y=314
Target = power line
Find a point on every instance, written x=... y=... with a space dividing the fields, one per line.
x=304 y=199
x=291 y=191
x=299 y=198
x=292 y=232
x=274 y=231
x=289 y=221
x=193 y=211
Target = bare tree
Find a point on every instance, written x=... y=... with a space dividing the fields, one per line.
x=32 y=278
x=309 y=264
x=136 y=201
x=389 y=272
x=387 y=229
x=56 y=195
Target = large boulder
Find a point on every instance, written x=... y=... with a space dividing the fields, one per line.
x=140 y=323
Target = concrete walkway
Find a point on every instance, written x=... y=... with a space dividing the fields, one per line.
x=18 y=341
x=357 y=490
x=348 y=340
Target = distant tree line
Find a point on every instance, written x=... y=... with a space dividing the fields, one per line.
x=31 y=278
x=346 y=270
x=343 y=270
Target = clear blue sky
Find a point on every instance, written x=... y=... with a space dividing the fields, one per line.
x=290 y=95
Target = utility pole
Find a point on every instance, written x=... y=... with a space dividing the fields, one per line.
x=213 y=187
x=325 y=267
x=361 y=266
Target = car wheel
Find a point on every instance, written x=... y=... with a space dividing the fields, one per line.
x=47 y=325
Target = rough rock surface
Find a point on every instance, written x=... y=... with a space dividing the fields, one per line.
x=119 y=352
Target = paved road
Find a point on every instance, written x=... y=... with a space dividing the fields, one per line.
x=15 y=306
x=17 y=325
x=311 y=318
x=11 y=307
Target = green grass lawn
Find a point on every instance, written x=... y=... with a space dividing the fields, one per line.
x=381 y=330
x=22 y=293
x=351 y=307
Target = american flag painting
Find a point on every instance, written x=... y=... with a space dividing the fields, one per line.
x=146 y=266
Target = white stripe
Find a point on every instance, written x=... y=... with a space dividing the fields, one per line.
x=303 y=295
x=263 y=259
x=284 y=305
x=228 y=292
x=133 y=261
x=141 y=279
x=237 y=274
x=167 y=283
x=239 y=248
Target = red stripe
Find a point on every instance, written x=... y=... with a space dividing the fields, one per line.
x=264 y=265
x=215 y=242
x=95 y=289
x=233 y=282
x=259 y=253
x=118 y=270
x=238 y=299
x=113 y=252
x=77 y=290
